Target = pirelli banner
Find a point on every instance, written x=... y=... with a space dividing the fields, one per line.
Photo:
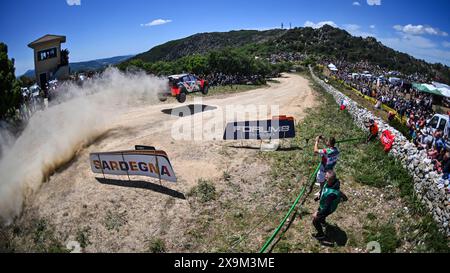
x=141 y=162
x=279 y=127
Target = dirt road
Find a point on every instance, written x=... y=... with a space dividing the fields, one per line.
x=119 y=215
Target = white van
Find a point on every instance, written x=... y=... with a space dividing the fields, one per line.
x=437 y=122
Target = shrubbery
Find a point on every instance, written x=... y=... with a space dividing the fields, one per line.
x=228 y=61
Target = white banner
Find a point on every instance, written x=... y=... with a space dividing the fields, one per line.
x=154 y=164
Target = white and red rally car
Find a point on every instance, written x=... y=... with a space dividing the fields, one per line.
x=181 y=85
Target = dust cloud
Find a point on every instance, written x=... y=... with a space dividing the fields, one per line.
x=53 y=136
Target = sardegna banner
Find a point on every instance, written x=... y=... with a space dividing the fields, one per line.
x=140 y=162
x=276 y=128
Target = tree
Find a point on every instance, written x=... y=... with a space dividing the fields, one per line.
x=65 y=57
x=196 y=64
x=9 y=86
x=26 y=81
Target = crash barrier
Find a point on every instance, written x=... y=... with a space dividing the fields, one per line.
x=429 y=186
x=309 y=184
x=279 y=127
x=144 y=161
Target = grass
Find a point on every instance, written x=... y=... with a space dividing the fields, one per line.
x=83 y=237
x=45 y=239
x=229 y=89
x=385 y=235
x=156 y=245
x=114 y=220
x=205 y=191
x=226 y=175
x=37 y=236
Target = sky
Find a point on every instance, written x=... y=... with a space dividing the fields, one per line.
x=106 y=28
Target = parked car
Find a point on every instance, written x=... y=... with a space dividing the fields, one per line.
x=437 y=122
x=181 y=85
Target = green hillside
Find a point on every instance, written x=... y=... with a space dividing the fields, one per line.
x=326 y=42
x=206 y=42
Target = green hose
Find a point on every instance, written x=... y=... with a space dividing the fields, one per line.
x=349 y=140
x=270 y=240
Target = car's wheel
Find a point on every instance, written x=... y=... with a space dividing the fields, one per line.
x=181 y=98
x=205 y=90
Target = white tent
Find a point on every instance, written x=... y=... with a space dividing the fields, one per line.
x=394 y=80
x=332 y=67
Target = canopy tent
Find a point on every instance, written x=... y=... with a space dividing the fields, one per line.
x=440 y=85
x=439 y=90
x=332 y=67
x=394 y=80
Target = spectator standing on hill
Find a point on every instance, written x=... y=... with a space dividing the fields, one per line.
x=411 y=124
x=330 y=198
x=373 y=128
x=439 y=141
x=391 y=116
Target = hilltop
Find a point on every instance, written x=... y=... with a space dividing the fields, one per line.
x=326 y=42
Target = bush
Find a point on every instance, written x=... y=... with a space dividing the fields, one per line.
x=385 y=235
x=114 y=220
x=205 y=191
x=156 y=246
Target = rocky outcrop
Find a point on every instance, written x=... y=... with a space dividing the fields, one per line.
x=431 y=189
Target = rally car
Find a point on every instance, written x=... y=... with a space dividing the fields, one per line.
x=181 y=85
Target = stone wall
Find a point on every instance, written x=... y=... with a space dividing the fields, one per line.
x=430 y=188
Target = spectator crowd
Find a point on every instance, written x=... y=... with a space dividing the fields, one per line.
x=395 y=90
x=221 y=79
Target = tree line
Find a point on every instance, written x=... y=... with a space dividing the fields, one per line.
x=227 y=61
x=10 y=97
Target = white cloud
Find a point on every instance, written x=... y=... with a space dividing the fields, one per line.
x=419 y=47
x=420 y=29
x=320 y=24
x=374 y=2
x=355 y=30
x=372 y=26
x=351 y=27
x=356 y=3
x=446 y=44
x=73 y=2
x=156 y=22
